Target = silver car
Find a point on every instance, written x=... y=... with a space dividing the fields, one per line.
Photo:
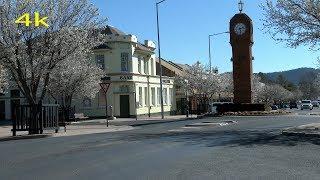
x=306 y=104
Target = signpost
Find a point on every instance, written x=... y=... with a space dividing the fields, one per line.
x=105 y=84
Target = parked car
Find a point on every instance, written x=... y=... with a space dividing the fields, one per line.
x=315 y=103
x=274 y=107
x=306 y=104
x=286 y=106
x=293 y=105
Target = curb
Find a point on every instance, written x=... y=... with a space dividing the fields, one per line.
x=14 y=138
x=142 y=122
x=259 y=114
x=161 y=122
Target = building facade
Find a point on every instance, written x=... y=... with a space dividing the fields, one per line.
x=173 y=70
x=130 y=68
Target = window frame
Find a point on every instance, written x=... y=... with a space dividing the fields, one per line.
x=140 y=97
x=158 y=96
x=153 y=96
x=146 y=102
x=124 y=62
x=146 y=66
x=100 y=62
x=165 y=96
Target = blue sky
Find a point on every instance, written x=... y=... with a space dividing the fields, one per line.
x=185 y=25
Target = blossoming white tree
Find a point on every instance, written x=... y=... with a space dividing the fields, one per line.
x=270 y=94
x=295 y=22
x=76 y=77
x=298 y=20
x=198 y=81
x=3 y=79
x=31 y=54
x=226 y=86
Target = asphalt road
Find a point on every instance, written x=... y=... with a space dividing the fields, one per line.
x=253 y=148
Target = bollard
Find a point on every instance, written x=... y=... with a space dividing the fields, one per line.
x=111 y=111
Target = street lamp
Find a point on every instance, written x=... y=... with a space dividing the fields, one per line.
x=105 y=84
x=187 y=99
x=159 y=51
x=210 y=58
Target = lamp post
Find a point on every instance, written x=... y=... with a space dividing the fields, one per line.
x=105 y=84
x=210 y=59
x=159 y=51
x=187 y=99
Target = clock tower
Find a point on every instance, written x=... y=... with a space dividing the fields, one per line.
x=241 y=40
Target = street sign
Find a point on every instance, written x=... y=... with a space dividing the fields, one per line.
x=105 y=87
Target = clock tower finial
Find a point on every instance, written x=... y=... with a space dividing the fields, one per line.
x=240 y=5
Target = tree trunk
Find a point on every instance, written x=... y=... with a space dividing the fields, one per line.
x=36 y=123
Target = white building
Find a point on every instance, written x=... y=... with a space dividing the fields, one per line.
x=130 y=67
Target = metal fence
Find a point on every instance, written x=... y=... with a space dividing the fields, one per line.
x=36 y=118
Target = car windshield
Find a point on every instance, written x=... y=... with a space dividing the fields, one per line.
x=306 y=101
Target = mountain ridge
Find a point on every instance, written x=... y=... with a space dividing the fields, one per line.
x=293 y=75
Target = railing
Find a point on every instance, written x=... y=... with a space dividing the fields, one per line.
x=31 y=118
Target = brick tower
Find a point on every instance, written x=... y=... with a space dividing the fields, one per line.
x=241 y=40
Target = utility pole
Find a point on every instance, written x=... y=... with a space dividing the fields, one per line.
x=159 y=51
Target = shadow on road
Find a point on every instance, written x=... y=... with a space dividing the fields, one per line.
x=227 y=138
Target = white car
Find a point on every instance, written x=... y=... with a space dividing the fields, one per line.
x=306 y=104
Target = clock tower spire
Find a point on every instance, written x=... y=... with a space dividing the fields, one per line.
x=240 y=6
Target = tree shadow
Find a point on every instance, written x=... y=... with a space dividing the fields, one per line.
x=227 y=138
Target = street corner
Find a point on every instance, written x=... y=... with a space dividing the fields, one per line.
x=75 y=130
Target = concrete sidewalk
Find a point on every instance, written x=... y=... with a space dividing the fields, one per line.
x=72 y=130
x=141 y=121
x=312 y=130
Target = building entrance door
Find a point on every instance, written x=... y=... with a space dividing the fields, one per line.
x=124 y=106
x=2 y=110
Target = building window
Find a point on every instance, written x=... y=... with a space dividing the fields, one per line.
x=140 y=96
x=171 y=96
x=146 y=103
x=159 y=96
x=100 y=61
x=165 y=96
x=152 y=68
x=139 y=65
x=153 y=96
x=86 y=103
x=146 y=66
x=125 y=62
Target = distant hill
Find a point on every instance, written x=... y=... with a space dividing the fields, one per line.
x=294 y=75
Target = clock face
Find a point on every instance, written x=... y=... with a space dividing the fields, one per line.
x=240 y=29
